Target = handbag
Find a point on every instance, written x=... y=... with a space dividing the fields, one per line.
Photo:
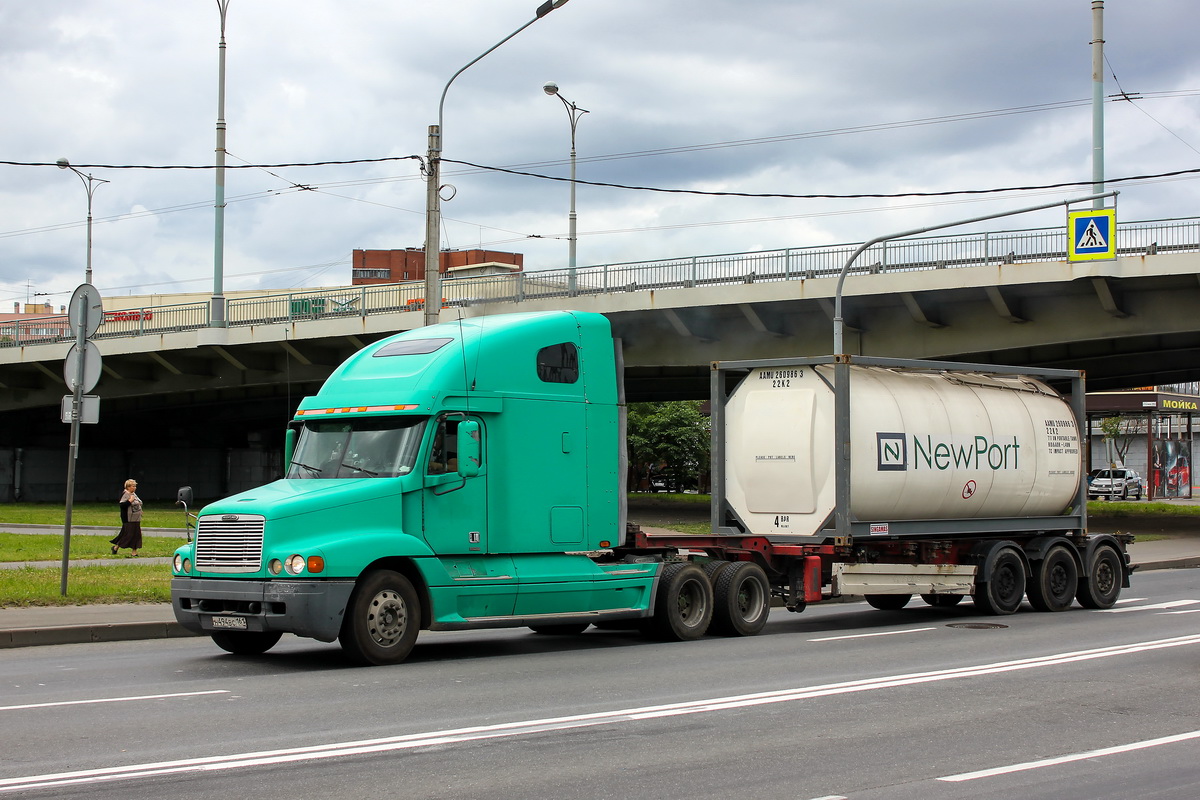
x=135 y=509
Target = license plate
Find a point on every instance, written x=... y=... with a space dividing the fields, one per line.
x=229 y=622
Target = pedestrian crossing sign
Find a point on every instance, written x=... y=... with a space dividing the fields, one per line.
x=1092 y=235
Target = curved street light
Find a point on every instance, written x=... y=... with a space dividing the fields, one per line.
x=574 y=113
x=433 y=168
x=90 y=183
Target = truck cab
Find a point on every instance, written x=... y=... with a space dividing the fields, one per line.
x=453 y=476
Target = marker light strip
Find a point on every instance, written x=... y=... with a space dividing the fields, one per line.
x=312 y=412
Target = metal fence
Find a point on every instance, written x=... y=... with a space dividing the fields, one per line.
x=788 y=264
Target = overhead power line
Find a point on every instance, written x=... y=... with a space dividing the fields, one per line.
x=787 y=196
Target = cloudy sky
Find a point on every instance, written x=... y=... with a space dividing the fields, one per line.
x=797 y=97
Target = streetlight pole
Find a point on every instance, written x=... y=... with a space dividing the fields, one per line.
x=90 y=184
x=574 y=113
x=217 y=317
x=1098 y=101
x=433 y=168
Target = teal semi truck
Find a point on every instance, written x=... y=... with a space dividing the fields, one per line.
x=472 y=474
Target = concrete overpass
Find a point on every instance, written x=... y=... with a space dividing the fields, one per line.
x=998 y=297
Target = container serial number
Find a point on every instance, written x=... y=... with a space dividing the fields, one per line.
x=780 y=378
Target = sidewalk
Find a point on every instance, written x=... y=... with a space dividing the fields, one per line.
x=23 y=627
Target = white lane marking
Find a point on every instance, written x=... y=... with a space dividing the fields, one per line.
x=1188 y=611
x=1130 y=600
x=112 y=700
x=869 y=635
x=1049 y=762
x=526 y=727
x=1151 y=607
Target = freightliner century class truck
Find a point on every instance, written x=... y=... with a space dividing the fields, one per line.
x=472 y=474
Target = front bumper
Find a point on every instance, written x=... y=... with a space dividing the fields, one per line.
x=306 y=608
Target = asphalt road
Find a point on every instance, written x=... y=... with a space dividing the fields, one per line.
x=840 y=701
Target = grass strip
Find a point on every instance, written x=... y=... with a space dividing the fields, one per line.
x=122 y=583
x=48 y=547
x=155 y=515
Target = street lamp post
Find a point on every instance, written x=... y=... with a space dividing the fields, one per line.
x=574 y=113
x=90 y=183
x=433 y=168
x=217 y=318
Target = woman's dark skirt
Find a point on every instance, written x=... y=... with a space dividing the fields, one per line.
x=130 y=536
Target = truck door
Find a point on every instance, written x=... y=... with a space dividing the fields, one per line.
x=454 y=506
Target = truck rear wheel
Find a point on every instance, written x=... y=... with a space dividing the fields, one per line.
x=246 y=643
x=382 y=619
x=683 y=603
x=888 y=602
x=1055 y=581
x=1004 y=588
x=741 y=600
x=1101 y=585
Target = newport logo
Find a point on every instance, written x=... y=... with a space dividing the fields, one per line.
x=892 y=449
x=952 y=452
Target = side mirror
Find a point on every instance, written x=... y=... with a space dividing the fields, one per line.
x=470 y=448
x=184 y=496
x=289 y=448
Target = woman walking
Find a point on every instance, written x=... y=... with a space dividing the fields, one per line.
x=131 y=520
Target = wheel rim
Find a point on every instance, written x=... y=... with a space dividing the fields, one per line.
x=749 y=600
x=387 y=618
x=691 y=603
x=1006 y=584
x=1058 y=581
x=1105 y=576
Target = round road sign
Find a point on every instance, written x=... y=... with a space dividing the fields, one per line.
x=87 y=306
x=90 y=356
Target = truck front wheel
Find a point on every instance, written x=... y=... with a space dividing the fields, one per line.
x=382 y=619
x=741 y=600
x=683 y=603
x=246 y=643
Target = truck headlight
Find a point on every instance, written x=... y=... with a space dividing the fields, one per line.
x=178 y=563
x=275 y=566
x=295 y=564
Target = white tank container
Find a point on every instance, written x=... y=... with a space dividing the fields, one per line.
x=924 y=445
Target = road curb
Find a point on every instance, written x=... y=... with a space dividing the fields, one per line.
x=84 y=634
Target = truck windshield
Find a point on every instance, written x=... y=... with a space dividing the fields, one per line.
x=366 y=447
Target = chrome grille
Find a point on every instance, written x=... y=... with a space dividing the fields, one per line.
x=230 y=543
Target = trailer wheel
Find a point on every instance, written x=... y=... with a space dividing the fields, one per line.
x=565 y=629
x=382 y=619
x=246 y=643
x=713 y=568
x=1005 y=587
x=741 y=600
x=942 y=600
x=1055 y=581
x=1102 y=584
x=683 y=603
x=888 y=602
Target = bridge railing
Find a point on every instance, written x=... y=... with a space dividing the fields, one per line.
x=786 y=264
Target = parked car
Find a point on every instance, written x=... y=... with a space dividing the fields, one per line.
x=1118 y=483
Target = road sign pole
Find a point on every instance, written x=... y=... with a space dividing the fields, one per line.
x=85 y=312
x=73 y=448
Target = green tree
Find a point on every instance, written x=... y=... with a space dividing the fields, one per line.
x=668 y=441
x=1118 y=431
